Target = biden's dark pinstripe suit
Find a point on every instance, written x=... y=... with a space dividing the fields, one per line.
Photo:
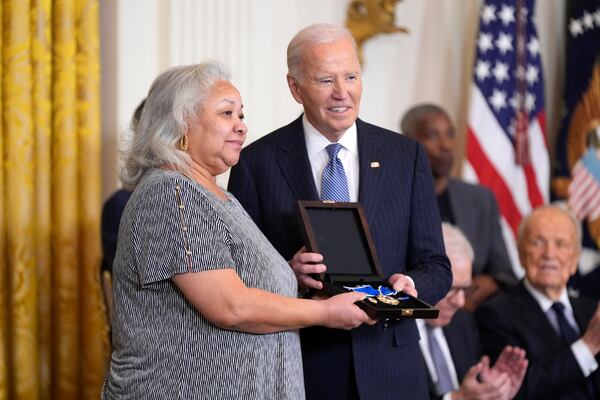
x=400 y=206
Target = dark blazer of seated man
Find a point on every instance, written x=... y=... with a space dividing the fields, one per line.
x=472 y=208
x=112 y=210
x=561 y=334
x=450 y=344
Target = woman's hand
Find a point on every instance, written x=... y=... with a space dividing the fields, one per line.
x=343 y=313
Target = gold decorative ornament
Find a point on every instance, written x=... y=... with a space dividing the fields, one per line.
x=368 y=18
x=372 y=300
x=184 y=142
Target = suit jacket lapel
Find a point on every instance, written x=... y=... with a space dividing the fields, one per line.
x=371 y=164
x=292 y=159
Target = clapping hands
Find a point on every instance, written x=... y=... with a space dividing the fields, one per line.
x=500 y=382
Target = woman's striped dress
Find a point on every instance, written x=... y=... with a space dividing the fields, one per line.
x=163 y=347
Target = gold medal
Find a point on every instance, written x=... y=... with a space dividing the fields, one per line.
x=388 y=300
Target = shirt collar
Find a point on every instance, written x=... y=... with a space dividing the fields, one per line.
x=423 y=326
x=316 y=142
x=544 y=301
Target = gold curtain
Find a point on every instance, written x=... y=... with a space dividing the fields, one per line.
x=52 y=321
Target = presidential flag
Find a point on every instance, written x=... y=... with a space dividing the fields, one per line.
x=577 y=173
x=506 y=142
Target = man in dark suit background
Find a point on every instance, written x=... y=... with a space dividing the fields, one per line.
x=111 y=218
x=470 y=207
x=561 y=334
x=450 y=344
x=112 y=210
x=389 y=175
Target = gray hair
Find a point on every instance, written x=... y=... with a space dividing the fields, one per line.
x=174 y=99
x=412 y=118
x=308 y=37
x=456 y=242
x=554 y=206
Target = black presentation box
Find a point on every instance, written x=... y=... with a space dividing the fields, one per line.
x=339 y=231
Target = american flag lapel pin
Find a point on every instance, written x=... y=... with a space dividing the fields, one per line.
x=374 y=164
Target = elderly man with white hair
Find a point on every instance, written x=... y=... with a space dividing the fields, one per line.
x=560 y=333
x=450 y=344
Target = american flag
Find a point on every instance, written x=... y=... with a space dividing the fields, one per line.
x=506 y=144
x=584 y=190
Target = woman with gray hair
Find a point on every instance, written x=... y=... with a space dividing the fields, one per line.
x=204 y=306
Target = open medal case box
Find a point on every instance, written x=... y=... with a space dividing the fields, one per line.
x=339 y=231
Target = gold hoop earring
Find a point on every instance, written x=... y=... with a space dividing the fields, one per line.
x=184 y=143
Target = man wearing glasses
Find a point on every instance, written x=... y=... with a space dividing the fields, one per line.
x=450 y=344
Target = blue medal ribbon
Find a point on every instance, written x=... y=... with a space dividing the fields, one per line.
x=370 y=291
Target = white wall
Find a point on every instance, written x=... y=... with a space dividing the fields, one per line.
x=140 y=38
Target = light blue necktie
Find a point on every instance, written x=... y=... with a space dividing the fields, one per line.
x=334 y=184
x=444 y=382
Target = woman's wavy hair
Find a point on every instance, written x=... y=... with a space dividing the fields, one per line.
x=173 y=101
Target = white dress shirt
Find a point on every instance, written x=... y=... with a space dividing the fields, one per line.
x=316 y=145
x=318 y=157
x=582 y=353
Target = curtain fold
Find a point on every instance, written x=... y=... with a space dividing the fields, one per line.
x=19 y=195
x=41 y=53
x=94 y=329
x=53 y=330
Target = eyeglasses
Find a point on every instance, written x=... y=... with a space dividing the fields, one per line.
x=467 y=290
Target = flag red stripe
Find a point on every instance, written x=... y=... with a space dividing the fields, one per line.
x=533 y=191
x=592 y=204
x=588 y=199
x=595 y=213
x=580 y=185
x=488 y=176
x=584 y=193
